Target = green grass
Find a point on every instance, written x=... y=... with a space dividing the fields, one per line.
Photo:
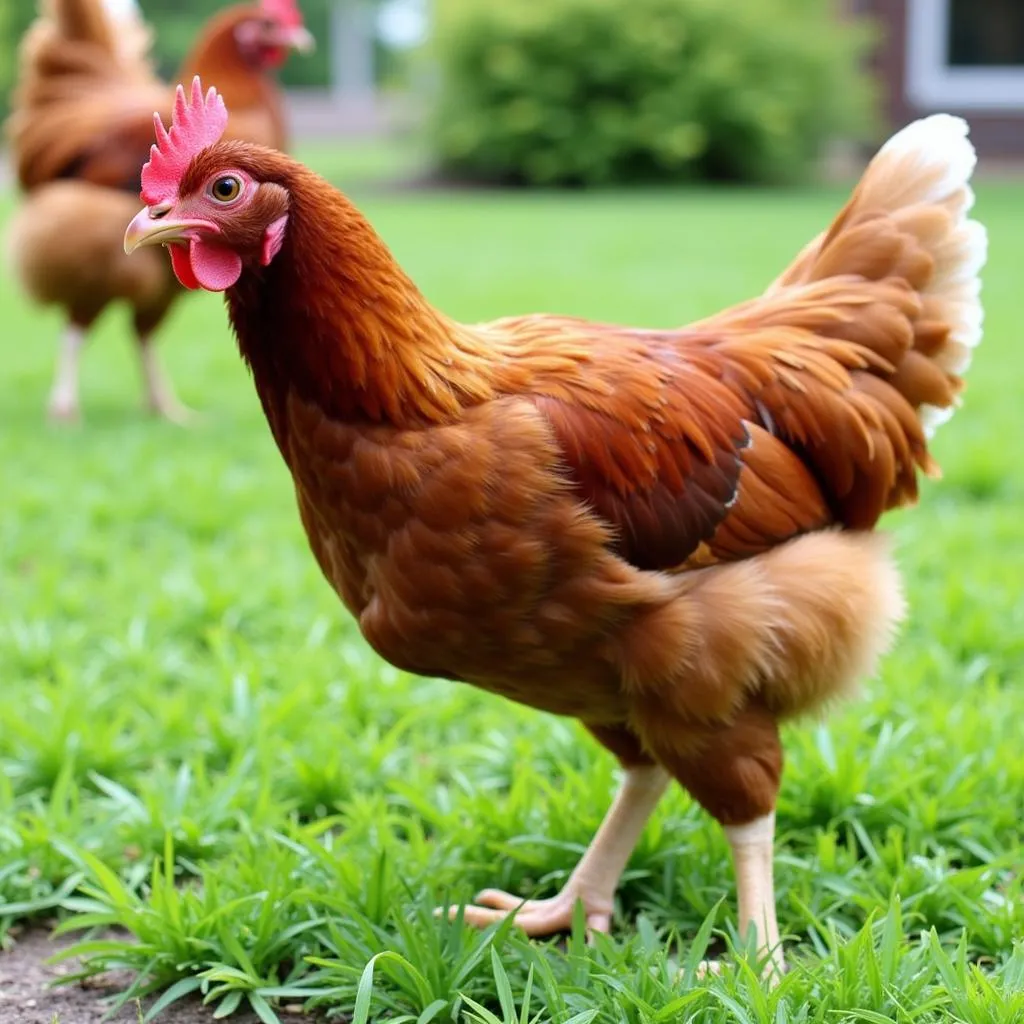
x=196 y=744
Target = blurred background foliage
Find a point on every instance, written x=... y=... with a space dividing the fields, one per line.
x=585 y=92
x=590 y=92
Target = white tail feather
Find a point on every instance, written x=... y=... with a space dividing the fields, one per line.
x=930 y=162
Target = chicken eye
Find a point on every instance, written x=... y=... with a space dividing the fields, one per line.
x=226 y=189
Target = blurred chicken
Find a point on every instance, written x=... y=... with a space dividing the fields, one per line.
x=81 y=128
x=665 y=533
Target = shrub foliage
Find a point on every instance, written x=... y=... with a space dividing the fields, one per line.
x=591 y=92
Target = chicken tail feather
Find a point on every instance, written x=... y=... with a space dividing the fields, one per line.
x=909 y=219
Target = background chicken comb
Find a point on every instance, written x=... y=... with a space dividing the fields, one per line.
x=285 y=11
x=198 y=122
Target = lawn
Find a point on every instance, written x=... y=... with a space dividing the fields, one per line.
x=196 y=744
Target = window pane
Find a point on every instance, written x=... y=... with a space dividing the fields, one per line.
x=985 y=32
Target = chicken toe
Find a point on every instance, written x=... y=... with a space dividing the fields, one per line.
x=595 y=878
x=539 y=917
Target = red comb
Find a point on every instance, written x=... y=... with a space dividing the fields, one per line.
x=198 y=122
x=285 y=11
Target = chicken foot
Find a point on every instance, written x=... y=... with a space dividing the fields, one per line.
x=63 y=403
x=596 y=877
x=739 y=790
x=594 y=880
x=160 y=397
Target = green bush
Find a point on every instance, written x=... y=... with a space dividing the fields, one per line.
x=589 y=92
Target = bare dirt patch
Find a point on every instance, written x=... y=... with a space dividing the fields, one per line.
x=26 y=995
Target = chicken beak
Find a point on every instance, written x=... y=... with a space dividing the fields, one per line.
x=147 y=229
x=301 y=40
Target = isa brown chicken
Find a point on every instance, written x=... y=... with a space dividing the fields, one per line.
x=663 y=533
x=80 y=130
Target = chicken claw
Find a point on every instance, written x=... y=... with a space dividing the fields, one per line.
x=537 y=918
x=706 y=967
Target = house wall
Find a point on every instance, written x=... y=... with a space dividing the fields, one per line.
x=995 y=133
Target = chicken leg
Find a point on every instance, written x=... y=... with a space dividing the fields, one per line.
x=160 y=397
x=734 y=773
x=752 y=852
x=63 y=404
x=594 y=880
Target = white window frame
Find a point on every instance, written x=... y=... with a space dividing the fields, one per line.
x=931 y=82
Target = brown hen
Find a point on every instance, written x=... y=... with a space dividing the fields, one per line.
x=80 y=131
x=665 y=534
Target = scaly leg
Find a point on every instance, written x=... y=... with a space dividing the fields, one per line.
x=63 y=403
x=752 y=848
x=596 y=877
x=160 y=396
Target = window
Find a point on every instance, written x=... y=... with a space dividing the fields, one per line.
x=985 y=33
x=965 y=53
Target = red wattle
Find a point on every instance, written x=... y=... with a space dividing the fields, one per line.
x=213 y=266
x=182 y=266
